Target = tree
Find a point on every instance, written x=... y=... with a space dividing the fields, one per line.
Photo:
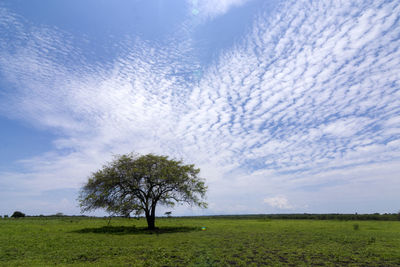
x=17 y=214
x=133 y=183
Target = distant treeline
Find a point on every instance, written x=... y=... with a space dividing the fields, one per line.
x=342 y=217
x=294 y=216
x=311 y=216
x=48 y=216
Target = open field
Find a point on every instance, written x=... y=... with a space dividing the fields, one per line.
x=181 y=242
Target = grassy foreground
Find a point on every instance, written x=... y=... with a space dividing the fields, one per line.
x=181 y=242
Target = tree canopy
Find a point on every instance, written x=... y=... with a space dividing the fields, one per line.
x=133 y=183
x=18 y=214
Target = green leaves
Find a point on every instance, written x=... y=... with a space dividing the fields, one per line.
x=133 y=183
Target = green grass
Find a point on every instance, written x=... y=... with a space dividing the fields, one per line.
x=181 y=242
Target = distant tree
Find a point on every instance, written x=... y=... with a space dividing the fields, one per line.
x=168 y=213
x=59 y=214
x=132 y=183
x=5 y=216
x=17 y=214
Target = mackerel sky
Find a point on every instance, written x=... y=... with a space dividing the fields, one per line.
x=286 y=106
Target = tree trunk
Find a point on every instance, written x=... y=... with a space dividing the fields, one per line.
x=151 y=222
x=151 y=218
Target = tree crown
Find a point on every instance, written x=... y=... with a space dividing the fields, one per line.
x=18 y=214
x=132 y=183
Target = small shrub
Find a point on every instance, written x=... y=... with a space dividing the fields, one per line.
x=18 y=214
x=356 y=226
x=5 y=216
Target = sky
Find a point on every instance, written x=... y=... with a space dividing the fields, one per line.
x=285 y=106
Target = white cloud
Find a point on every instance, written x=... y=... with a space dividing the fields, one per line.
x=279 y=202
x=298 y=99
x=208 y=9
x=282 y=104
x=345 y=127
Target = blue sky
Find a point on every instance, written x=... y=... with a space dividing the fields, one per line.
x=286 y=106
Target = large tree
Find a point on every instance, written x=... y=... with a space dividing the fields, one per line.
x=133 y=183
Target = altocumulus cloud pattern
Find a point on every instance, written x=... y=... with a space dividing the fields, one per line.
x=305 y=106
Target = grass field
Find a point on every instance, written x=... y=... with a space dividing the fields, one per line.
x=181 y=242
